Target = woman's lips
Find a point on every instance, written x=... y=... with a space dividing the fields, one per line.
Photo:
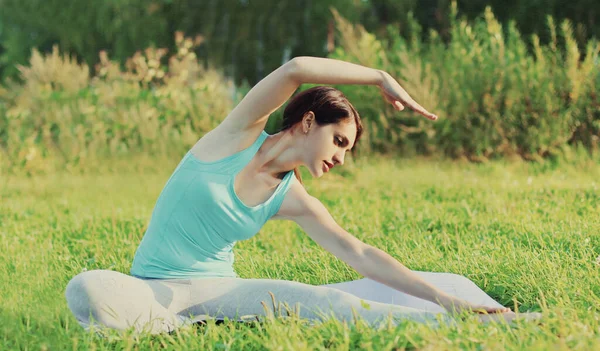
x=326 y=166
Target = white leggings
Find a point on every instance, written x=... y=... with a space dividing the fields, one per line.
x=105 y=298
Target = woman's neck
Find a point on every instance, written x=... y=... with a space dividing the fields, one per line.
x=278 y=155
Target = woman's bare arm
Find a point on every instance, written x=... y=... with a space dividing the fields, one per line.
x=366 y=259
x=249 y=117
x=251 y=114
x=314 y=218
x=329 y=71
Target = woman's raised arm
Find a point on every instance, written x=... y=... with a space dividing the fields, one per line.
x=318 y=70
x=252 y=113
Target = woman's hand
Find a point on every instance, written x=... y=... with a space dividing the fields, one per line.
x=453 y=304
x=488 y=314
x=398 y=97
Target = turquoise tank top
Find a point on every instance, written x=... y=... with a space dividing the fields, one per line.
x=198 y=218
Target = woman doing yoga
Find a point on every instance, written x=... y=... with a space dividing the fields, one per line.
x=234 y=179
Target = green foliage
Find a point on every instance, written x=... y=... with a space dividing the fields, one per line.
x=494 y=96
x=247 y=39
x=82 y=28
x=60 y=117
x=498 y=95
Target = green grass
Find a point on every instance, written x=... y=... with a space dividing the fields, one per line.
x=527 y=234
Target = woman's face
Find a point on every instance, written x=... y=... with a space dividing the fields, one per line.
x=326 y=145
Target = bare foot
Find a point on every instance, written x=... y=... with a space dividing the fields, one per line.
x=509 y=317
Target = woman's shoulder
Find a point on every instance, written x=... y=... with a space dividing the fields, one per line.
x=297 y=202
x=220 y=143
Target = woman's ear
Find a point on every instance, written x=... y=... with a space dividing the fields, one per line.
x=307 y=121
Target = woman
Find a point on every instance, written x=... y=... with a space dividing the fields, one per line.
x=234 y=179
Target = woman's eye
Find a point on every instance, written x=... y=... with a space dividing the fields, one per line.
x=339 y=141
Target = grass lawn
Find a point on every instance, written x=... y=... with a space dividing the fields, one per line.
x=527 y=234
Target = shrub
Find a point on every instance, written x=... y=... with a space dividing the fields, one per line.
x=60 y=117
x=495 y=96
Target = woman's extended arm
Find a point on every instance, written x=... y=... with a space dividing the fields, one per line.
x=381 y=267
x=367 y=260
x=252 y=113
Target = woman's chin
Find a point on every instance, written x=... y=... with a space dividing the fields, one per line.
x=317 y=172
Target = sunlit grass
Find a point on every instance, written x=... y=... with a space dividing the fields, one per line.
x=527 y=234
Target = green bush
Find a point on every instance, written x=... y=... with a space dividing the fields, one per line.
x=61 y=117
x=494 y=95
x=498 y=95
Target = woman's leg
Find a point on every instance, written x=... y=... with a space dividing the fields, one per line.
x=105 y=298
x=236 y=298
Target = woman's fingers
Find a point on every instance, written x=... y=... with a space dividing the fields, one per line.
x=420 y=109
x=387 y=97
x=399 y=105
x=493 y=309
x=482 y=309
x=396 y=103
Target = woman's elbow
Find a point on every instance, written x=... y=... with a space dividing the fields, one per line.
x=295 y=68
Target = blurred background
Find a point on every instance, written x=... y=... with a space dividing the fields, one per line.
x=84 y=81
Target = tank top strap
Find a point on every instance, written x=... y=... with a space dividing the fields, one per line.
x=280 y=193
x=231 y=164
x=243 y=157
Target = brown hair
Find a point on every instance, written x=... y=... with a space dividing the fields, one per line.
x=329 y=106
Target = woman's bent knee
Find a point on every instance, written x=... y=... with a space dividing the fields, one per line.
x=79 y=294
x=90 y=295
x=118 y=301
